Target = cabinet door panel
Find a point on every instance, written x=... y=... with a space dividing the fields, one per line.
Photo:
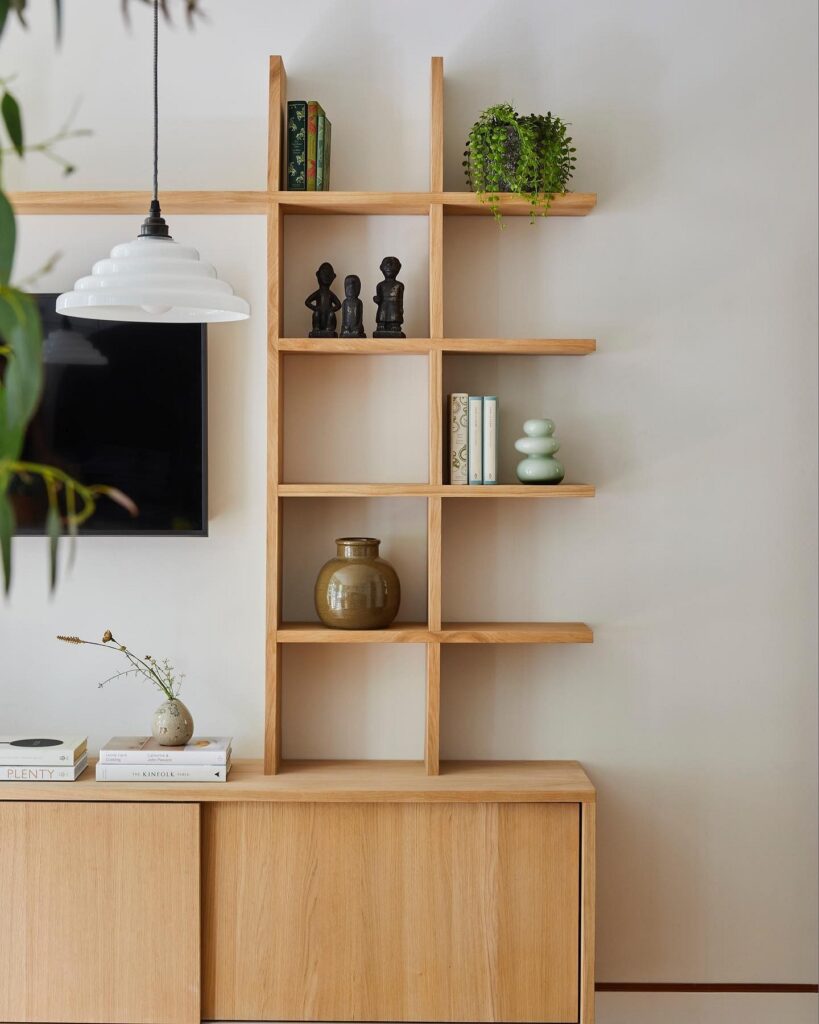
x=100 y=912
x=403 y=912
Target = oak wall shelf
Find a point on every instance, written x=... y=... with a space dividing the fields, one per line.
x=67 y=201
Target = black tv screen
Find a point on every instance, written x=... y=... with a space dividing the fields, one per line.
x=124 y=404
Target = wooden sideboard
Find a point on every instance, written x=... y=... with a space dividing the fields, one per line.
x=336 y=891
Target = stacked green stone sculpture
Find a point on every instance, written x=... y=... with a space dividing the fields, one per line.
x=539 y=466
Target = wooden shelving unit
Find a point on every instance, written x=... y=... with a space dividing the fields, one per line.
x=518 y=837
x=435 y=205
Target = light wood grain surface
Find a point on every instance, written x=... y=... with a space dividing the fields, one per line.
x=364 y=490
x=450 y=633
x=331 y=781
x=227 y=201
x=388 y=912
x=588 y=876
x=100 y=912
x=409 y=346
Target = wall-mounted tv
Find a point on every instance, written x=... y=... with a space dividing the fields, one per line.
x=125 y=405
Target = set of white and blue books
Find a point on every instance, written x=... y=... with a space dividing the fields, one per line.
x=142 y=759
x=473 y=439
x=42 y=758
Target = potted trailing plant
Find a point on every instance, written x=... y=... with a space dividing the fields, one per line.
x=173 y=722
x=529 y=155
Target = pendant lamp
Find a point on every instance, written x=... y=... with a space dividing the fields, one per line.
x=153 y=278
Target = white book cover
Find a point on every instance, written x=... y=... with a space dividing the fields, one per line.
x=457 y=438
x=162 y=772
x=43 y=773
x=146 y=750
x=475 y=439
x=42 y=750
x=490 y=439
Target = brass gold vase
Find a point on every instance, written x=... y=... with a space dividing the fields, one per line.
x=357 y=589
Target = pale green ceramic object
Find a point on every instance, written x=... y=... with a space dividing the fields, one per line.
x=357 y=589
x=539 y=447
x=173 y=724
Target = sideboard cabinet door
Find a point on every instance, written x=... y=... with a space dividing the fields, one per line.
x=402 y=912
x=100 y=912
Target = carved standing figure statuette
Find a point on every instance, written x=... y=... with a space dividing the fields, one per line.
x=389 y=297
x=324 y=304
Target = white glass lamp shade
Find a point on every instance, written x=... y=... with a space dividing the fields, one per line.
x=153 y=280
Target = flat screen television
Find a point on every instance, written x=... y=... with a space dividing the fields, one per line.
x=124 y=404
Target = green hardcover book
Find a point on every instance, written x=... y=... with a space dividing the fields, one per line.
x=296 y=146
x=328 y=131
x=313 y=111
x=320 y=135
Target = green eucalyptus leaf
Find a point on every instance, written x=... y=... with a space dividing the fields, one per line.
x=21 y=331
x=4 y=10
x=10 y=109
x=6 y=533
x=8 y=238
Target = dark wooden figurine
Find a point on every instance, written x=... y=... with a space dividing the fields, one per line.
x=324 y=304
x=352 y=309
x=389 y=297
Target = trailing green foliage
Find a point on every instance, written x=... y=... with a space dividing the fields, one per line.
x=530 y=155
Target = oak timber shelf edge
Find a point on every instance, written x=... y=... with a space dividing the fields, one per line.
x=67 y=202
x=236 y=201
x=450 y=633
x=470 y=346
x=337 y=781
x=364 y=490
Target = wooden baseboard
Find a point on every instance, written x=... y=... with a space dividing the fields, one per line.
x=697 y=986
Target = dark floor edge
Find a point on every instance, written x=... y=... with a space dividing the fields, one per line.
x=673 y=986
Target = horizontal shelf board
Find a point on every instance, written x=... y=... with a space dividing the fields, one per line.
x=221 y=201
x=516 y=633
x=572 y=204
x=315 y=633
x=340 y=782
x=451 y=633
x=435 y=490
x=517 y=491
x=476 y=346
x=369 y=203
x=107 y=202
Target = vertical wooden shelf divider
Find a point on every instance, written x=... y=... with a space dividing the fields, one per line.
x=275 y=411
x=436 y=419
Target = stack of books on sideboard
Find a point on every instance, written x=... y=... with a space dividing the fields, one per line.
x=42 y=759
x=142 y=759
x=473 y=439
x=308 y=147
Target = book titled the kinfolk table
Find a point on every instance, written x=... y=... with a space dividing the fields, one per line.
x=162 y=772
x=142 y=750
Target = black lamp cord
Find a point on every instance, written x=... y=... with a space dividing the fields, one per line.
x=156 y=101
x=154 y=225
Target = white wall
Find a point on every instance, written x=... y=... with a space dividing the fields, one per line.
x=695 y=709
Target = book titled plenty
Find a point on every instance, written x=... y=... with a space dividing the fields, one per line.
x=43 y=773
x=144 y=750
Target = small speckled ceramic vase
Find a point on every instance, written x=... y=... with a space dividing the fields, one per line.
x=357 y=589
x=173 y=724
x=539 y=447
